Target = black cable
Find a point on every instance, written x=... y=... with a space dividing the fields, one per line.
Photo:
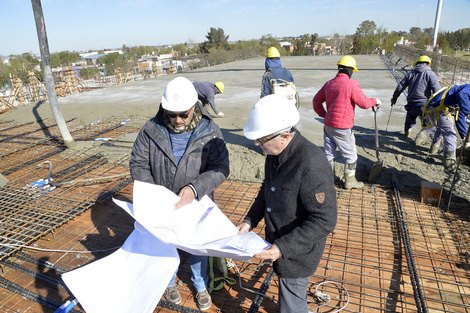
x=40 y=262
x=8 y=285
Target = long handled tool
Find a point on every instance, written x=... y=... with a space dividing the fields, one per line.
x=377 y=166
x=389 y=116
x=454 y=180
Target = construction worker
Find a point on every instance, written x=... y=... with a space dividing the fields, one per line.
x=206 y=92
x=274 y=71
x=341 y=95
x=422 y=82
x=182 y=149
x=297 y=199
x=447 y=109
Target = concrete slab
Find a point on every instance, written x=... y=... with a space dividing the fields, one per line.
x=138 y=101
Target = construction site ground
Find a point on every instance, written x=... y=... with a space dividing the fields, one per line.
x=389 y=252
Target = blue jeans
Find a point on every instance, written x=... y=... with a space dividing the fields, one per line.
x=199 y=272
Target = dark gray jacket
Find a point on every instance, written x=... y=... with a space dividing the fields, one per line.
x=206 y=92
x=298 y=203
x=422 y=82
x=205 y=163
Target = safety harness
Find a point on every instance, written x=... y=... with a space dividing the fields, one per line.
x=221 y=264
x=432 y=110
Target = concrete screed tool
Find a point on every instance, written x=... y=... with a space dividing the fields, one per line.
x=377 y=166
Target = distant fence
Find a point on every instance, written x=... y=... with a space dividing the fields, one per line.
x=450 y=70
x=29 y=88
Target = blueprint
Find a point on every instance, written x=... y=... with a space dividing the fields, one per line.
x=133 y=278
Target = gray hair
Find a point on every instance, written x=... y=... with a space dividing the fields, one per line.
x=290 y=130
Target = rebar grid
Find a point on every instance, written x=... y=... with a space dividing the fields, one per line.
x=440 y=243
x=365 y=253
x=46 y=190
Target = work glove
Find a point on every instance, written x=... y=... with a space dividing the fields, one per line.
x=377 y=105
x=407 y=107
x=393 y=101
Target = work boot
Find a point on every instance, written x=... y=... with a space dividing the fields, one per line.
x=350 y=181
x=332 y=164
x=449 y=161
x=421 y=138
x=172 y=295
x=204 y=300
x=435 y=147
x=407 y=133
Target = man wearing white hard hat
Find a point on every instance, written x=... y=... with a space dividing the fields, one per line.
x=297 y=199
x=182 y=149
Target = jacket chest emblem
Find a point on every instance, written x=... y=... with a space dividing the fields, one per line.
x=320 y=197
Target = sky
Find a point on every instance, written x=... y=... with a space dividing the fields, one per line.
x=82 y=25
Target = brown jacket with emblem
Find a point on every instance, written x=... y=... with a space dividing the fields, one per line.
x=298 y=203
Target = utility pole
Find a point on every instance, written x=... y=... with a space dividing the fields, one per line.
x=436 y=24
x=47 y=71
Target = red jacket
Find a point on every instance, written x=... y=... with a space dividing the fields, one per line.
x=341 y=95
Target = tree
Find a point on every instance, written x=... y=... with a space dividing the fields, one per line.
x=64 y=58
x=366 y=28
x=415 y=31
x=216 y=38
x=364 y=41
x=302 y=45
x=22 y=64
x=113 y=59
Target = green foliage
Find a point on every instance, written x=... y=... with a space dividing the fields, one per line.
x=269 y=41
x=216 y=38
x=366 y=28
x=114 y=58
x=134 y=53
x=459 y=39
x=88 y=72
x=64 y=58
x=181 y=48
x=20 y=65
x=301 y=45
x=365 y=40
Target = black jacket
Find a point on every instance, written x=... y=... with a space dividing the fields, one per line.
x=298 y=203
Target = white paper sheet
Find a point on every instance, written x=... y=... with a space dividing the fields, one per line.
x=134 y=278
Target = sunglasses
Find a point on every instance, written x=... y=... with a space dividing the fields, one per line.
x=262 y=142
x=180 y=115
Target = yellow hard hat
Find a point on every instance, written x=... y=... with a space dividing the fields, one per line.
x=273 y=53
x=423 y=59
x=348 y=61
x=220 y=86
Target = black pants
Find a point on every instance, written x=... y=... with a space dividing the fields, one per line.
x=293 y=295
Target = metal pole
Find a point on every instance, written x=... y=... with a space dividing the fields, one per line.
x=47 y=71
x=436 y=23
x=454 y=179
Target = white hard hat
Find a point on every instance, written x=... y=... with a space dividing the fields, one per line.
x=270 y=114
x=180 y=95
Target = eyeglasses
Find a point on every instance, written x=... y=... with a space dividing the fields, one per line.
x=262 y=142
x=180 y=115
